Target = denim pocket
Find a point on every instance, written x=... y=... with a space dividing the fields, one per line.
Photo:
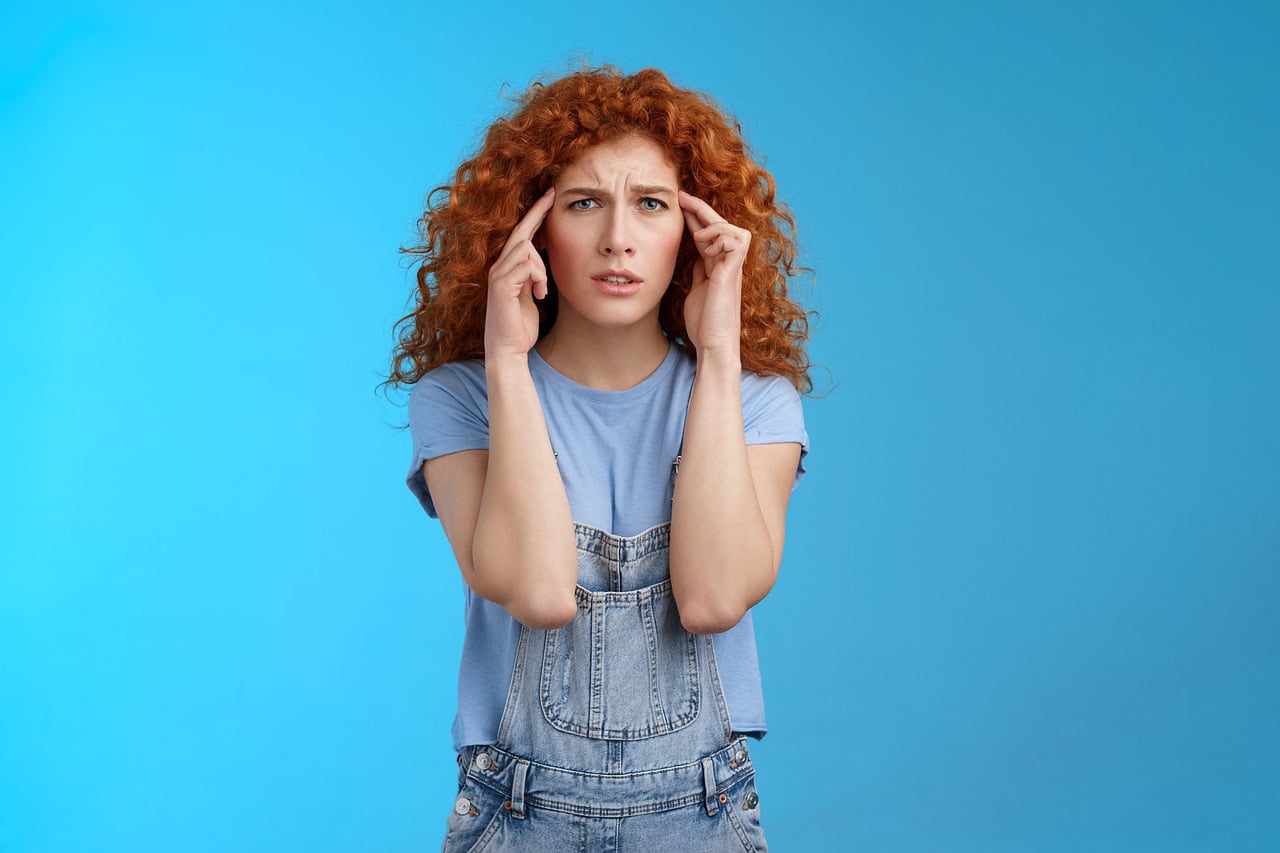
x=650 y=683
x=476 y=816
x=744 y=813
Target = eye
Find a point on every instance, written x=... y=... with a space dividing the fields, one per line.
x=652 y=204
x=573 y=205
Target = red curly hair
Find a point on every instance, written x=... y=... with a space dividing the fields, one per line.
x=467 y=222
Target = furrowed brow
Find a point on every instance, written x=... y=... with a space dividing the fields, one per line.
x=654 y=190
x=603 y=193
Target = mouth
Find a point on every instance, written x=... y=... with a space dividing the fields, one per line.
x=617 y=283
x=618 y=277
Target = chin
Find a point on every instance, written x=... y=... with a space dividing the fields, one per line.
x=618 y=319
x=613 y=312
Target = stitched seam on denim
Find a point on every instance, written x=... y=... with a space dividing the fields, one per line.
x=692 y=768
x=557 y=712
x=513 y=688
x=645 y=807
x=717 y=687
x=608 y=812
x=631 y=595
x=649 y=623
x=609 y=546
x=738 y=828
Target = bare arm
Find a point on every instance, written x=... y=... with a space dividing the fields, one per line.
x=524 y=552
x=729 y=516
x=506 y=512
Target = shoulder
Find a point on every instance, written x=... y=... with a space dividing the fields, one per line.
x=755 y=386
x=457 y=377
x=772 y=412
x=453 y=391
x=765 y=395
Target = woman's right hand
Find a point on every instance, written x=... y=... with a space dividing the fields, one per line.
x=511 y=318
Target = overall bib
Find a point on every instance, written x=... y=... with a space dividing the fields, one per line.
x=615 y=735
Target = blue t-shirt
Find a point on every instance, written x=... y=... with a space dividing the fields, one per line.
x=614 y=450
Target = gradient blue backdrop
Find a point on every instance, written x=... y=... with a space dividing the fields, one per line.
x=1031 y=592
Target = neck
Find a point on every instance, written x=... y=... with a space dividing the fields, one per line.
x=607 y=359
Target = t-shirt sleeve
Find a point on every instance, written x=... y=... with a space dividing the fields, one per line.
x=772 y=413
x=448 y=412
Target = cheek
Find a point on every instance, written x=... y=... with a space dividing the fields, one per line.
x=566 y=234
x=669 y=240
x=561 y=246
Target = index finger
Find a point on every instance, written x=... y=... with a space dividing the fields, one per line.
x=528 y=225
x=692 y=204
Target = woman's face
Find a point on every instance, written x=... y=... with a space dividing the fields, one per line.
x=613 y=233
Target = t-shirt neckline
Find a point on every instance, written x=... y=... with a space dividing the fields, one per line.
x=645 y=386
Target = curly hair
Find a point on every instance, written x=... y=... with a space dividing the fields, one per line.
x=467 y=222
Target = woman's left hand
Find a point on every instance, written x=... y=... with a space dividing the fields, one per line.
x=713 y=308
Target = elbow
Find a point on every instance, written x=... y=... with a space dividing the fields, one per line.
x=532 y=599
x=540 y=607
x=710 y=616
x=719 y=607
x=543 y=613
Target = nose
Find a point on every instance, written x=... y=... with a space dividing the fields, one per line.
x=617 y=238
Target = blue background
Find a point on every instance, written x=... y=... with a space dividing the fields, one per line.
x=1031 y=593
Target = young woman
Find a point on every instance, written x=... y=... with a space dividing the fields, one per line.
x=606 y=421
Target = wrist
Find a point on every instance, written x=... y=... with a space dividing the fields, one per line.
x=718 y=369
x=719 y=362
x=499 y=366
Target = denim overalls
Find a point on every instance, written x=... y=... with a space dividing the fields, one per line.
x=615 y=735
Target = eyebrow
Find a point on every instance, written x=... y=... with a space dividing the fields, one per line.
x=601 y=191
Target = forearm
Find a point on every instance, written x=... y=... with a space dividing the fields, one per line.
x=721 y=553
x=524 y=555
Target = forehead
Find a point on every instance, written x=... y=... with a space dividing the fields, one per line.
x=628 y=157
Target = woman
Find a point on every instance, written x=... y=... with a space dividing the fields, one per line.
x=606 y=422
